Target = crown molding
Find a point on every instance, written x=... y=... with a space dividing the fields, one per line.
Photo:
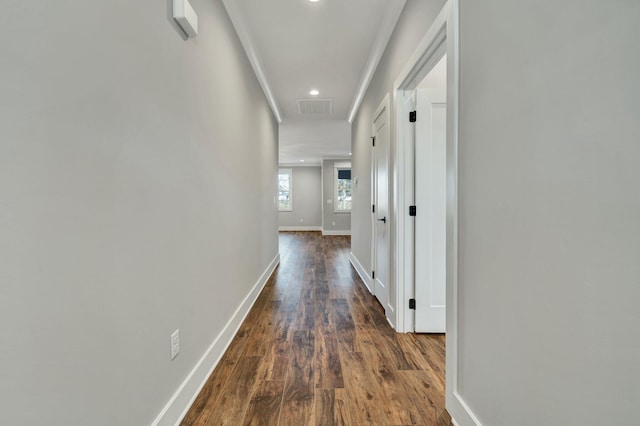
x=246 y=38
x=388 y=24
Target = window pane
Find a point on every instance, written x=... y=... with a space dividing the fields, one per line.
x=284 y=190
x=343 y=195
x=344 y=174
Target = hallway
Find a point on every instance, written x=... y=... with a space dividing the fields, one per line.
x=316 y=349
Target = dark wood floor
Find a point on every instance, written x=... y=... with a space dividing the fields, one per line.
x=316 y=349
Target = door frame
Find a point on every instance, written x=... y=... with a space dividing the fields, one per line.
x=442 y=37
x=435 y=44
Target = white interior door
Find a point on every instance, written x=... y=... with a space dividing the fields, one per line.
x=381 y=227
x=430 y=221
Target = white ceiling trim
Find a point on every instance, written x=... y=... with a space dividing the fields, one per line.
x=249 y=47
x=391 y=15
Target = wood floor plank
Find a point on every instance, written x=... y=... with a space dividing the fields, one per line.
x=331 y=408
x=306 y=317
x=429 y=398
x=400 y=407
x=233 y=399
x=411 y=352
x=316 y=348
x=297 y=401
x=204 y=403
x=264 y=406
x=328 y=368
x=266 y=328
x=359 y=313
x=373 y=349
x=343 y=323
x=431 y=347
x=275 y=362
x=401 y=359
x=340 y=290
x=342 y=316
x=381 y=366
x=323 y=323
x=363 y=393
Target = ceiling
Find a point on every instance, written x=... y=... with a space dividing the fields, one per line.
x=332 y=46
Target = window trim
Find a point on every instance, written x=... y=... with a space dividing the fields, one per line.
x=337 y=166
x=289 y=172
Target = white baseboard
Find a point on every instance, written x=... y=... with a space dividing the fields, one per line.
x=177 y=407
x=335 y=232
x=364 y=276
x=300 y=228
x=461 y=414
x=390 y=313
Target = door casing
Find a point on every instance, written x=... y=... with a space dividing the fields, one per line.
x=442 y=37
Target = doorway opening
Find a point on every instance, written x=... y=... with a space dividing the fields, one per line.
x=438 y=42
x=441 y=38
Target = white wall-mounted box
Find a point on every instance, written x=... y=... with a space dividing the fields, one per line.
x=186 y=17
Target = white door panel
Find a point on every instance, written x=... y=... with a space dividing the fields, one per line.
x=381 y=227
x=430 y=221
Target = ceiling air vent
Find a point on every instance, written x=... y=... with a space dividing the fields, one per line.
x=315 y=106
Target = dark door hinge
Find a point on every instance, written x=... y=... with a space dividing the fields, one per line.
x=412 y=210
x=373 y=275
x=412 y=117
x=412 y=303
x=373 y=208
x=373 y=141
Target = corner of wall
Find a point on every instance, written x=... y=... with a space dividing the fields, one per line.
x=364 y=276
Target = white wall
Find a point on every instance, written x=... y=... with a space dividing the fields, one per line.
x=549 y=204
x=130 y=184
x=307 y=199
x=333 y=222
x=413 y=23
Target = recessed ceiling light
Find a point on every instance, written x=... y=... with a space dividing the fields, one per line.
x=314 y=1
x=349 y=153
x=314 y=92
x=302 y=161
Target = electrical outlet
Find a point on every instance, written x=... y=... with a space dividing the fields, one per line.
x=301 y=220
x=175 y=343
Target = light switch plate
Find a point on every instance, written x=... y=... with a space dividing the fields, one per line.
x=175 y=343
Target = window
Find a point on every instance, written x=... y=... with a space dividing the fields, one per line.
x=285 y=200
x=342 y=188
